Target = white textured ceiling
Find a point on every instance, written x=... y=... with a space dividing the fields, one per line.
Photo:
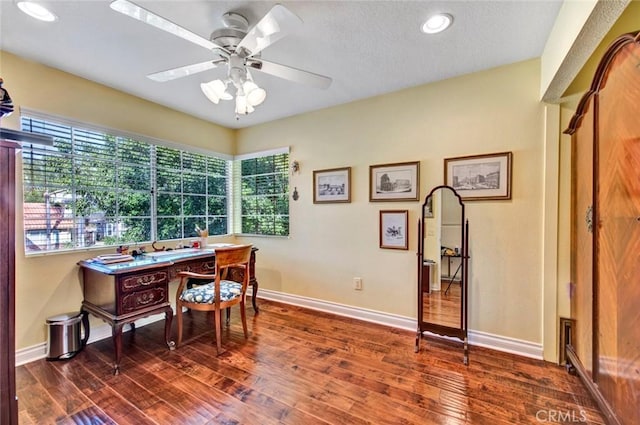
x=368 y=48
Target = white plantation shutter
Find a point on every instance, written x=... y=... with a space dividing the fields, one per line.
x=192 y=190
x=262 y=179
x=97 y=187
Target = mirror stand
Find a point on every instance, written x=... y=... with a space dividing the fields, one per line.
x=443 y=260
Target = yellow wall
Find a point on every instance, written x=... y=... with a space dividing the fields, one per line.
x=50 y=285
x=491 y=111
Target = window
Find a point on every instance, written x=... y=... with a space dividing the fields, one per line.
x=264 y=186
x=192 y=190
x=94 y=188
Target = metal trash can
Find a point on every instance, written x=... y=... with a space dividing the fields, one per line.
x=65 y=338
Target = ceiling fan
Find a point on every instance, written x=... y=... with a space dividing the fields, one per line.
x=237 y=47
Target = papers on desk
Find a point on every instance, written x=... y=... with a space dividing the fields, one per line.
x=219 y=245
x=173 y=252
x=112 y=258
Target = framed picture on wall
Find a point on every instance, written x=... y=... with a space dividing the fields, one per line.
x=394 y=229
x=332 y=185
x=394 y=182
x=480 y=177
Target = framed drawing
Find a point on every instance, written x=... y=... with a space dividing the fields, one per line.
x=480 y=177
x=332 y=185
x=393 y=229
x=394 y=182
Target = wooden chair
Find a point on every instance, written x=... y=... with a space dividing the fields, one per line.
x=218 y=294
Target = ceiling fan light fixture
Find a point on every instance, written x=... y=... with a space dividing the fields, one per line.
x=215 y=90
x=226 y=95
x=242 y=106
x=236 y=46
x=437 y=23
x=255 y=95
x=37 y=11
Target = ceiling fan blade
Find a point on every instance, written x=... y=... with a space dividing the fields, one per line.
x=183 y=71
x=277 y=23
x=289 y=73
x=136 y=12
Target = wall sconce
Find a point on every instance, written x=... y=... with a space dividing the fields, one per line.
x=295 y=167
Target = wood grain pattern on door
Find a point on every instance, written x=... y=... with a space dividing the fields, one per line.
x=618 y=235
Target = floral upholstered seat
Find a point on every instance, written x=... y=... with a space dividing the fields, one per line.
x=205 y=294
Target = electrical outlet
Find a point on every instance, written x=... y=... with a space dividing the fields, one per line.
x=357 y=283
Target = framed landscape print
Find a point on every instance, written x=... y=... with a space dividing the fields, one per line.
x=480 y=177
x=332 y=185
x=394 y=182
x=393 y=229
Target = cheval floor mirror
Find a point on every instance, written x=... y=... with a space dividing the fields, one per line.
x=443 y=243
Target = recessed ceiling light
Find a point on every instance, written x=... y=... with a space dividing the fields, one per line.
x=37 y=11
x=437 y=23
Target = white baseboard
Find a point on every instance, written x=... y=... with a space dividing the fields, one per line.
x=31 y=354
x=481 y=339
x=395 y=321
x=506 y=344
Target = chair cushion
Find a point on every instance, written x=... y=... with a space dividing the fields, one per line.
x=205 y=294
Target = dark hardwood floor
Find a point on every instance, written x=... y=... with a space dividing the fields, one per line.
x=444 y=309
x=297 y=367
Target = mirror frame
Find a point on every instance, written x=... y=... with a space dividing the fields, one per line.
x=449 y=331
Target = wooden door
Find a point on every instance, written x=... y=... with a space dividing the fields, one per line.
x=609 y=115
x=617 y=252
x=8 y=403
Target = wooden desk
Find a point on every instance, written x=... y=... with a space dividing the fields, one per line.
x=122 y=293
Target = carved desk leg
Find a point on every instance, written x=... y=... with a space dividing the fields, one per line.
x=117 y=342
x=254 y=294
x=253 y=281
x=168 y=317
x=85 y=326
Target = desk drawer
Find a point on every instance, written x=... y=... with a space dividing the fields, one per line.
x=141 y=299
x=140 y=281
x=235 y=274
x=197 y=266
x=206 y=267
